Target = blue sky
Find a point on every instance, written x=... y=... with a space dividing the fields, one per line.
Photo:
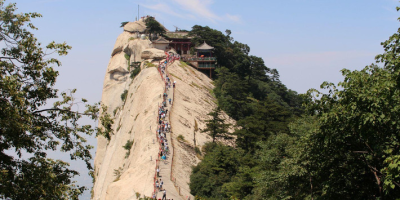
x=307 y=41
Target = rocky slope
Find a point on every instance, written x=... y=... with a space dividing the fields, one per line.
x=121 y=173
x=193 y=101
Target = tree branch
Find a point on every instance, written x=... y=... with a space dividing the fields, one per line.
x=58 y=109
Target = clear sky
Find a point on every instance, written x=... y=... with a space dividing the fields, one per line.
x=307 y=41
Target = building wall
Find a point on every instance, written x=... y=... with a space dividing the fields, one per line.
x=160 y=46
x=181 y=45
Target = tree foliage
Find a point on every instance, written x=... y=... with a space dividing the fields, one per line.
x=352 y=151
x=106 y=122
x=359 y=127
x=346 y=146
x=269 y=118
x=243 y=78
x=216 y=126
x=285 y=167
x=123 y=24
x=153 y=26
x=251 y=93
x=216 y=169
x=29 y=127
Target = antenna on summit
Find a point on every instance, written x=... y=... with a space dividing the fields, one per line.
x=138 y=11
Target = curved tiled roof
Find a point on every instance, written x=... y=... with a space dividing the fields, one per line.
x=205 y=46
x=161 y=40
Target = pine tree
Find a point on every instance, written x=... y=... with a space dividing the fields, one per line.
x=153 y=26
x=216 y=126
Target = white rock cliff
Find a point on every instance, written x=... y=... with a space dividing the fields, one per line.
x=118 y=176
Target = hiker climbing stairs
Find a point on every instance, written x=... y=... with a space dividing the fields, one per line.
x=165 y=166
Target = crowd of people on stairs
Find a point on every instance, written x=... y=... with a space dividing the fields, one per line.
x=164 y=127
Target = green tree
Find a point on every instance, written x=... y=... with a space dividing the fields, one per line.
x=358 y=142
x=216 y=126
x=123 y=24
x=242 y=183
x=106 y=122
x=252 y=94
x=218 y=166
x=257 y=69
x=213 y=37
x=232 y=93
x=153 y=26
x=284 y=170
x=269 y=118
x=28 y=126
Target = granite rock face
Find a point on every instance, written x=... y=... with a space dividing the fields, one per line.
x=153 y=53
x=120 y=173
x=119 y=176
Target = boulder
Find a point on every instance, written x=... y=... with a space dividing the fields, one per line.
x=118 y=67
x=137 y=26
x=118 y=61
x=136 y=47
x=121 y=42
x=153 y=53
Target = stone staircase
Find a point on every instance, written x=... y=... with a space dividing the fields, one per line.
x=166 y=166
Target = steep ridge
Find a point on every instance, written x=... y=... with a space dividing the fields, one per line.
x=116 y=80
x=131 y=173
x=193 y=100
x=134 y=121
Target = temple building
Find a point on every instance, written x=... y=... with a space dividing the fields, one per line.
x=180 y=41
x=161 y=43
x=204 y=60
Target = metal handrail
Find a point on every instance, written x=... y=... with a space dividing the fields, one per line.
x=199 y=59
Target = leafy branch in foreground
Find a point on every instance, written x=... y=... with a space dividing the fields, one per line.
x=29 y=128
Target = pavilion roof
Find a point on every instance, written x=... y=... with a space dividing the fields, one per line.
x=178 y=35
x=161 y=40
x=205 y=46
